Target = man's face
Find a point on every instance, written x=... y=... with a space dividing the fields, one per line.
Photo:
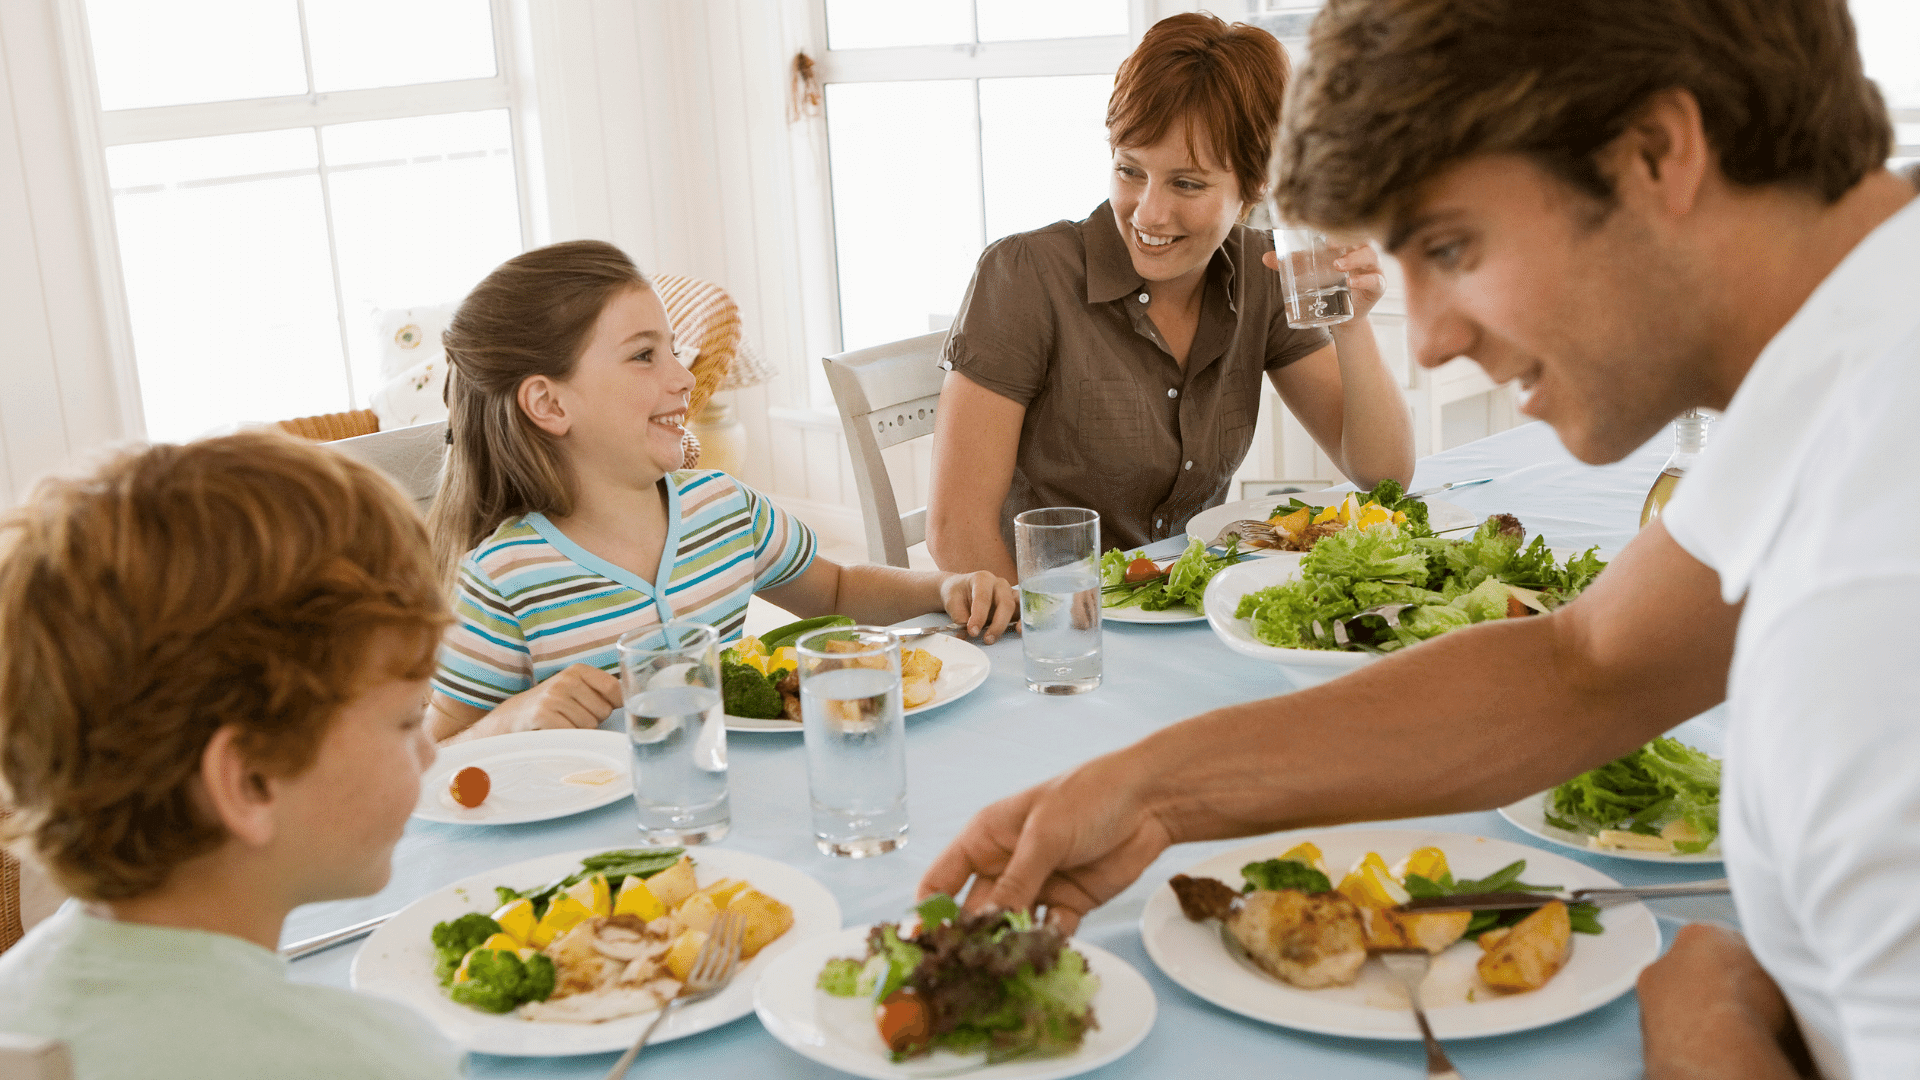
x=1593 y=315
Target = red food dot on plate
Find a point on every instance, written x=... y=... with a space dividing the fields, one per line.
x=470 y=786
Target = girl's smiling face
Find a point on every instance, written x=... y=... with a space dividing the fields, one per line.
x=625 y=404
x=1173 y=203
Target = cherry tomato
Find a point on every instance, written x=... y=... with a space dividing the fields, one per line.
x=1140 y=570
x=903 y=1020
x=470 y=786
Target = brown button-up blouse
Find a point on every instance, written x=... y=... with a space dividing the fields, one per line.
x=1056 y=319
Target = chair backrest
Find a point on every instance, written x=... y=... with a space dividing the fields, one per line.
x=29 y=1057
x=887 y=396
x=410 y=456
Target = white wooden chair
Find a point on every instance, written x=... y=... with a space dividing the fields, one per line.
x=887 y=396
x=29 y=1057
x=411 y=457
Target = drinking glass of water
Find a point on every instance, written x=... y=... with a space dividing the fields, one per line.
x=670 y=676
x=1314 y=292
x=856 y=734
x=1058 y=553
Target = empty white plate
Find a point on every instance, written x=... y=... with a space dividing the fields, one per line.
x=536 y=775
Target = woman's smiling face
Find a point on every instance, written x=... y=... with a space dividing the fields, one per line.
x=1174 y=204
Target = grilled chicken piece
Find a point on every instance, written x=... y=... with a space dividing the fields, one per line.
x=606 y=968
x=1308 y=941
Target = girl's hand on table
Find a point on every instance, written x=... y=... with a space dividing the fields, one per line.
x=1365 y=280
x=579 y=697
x=983 y=602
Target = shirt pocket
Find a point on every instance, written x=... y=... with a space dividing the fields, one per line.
x=1110 y=411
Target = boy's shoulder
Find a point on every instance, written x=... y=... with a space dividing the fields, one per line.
x=160 y=1003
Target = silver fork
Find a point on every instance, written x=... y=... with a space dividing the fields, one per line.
x=1249 y=531
x=1410 y=966
x=1388 y=612
x=712 y=969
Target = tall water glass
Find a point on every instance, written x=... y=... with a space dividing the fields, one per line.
x=670 y=677
x=856 y=733
x=1058 y=552
x=1314 y=292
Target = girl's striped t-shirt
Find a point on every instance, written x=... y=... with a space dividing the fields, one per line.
x=532 y=603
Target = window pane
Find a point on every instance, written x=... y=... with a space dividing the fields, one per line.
x=906 y=204
x=1024 y=20
x=223 y=243
x=180 y=52
x=1889 y=32
x=363 y=43
x=1043 y=149
x=422 y=209
x=878 y=24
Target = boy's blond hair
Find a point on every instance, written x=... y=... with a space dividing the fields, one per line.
x=174 y=591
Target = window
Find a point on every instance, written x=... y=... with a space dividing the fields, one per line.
x=281 y=171
x=952 y=123
x=1889 y=32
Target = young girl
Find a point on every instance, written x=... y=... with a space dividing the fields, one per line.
x=564 y=505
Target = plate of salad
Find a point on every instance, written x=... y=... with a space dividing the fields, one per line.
x=992 y=995
x=406 y=961
x=1660 y=803
x=1607 y=949
x=1280 y=609
x=1136 y=589
x=1307 y=516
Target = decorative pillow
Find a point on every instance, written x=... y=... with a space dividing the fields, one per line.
x=417 y=396
x=410 y=335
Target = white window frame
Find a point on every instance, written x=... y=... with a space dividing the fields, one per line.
x=812 y=172
x=509 y=88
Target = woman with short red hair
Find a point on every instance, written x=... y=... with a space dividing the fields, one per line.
x=1115 y=363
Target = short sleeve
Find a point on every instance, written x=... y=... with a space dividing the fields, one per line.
x=484 y=659
x=1003 y=336
x=783 y=545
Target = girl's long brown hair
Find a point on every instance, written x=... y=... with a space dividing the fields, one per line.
x=531 y=316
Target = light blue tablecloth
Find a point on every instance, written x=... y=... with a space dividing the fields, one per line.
x=1002 y=738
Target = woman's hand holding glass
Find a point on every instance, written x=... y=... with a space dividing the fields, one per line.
x=1365 y=280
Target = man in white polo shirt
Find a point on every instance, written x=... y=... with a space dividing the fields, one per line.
x=1631 y=207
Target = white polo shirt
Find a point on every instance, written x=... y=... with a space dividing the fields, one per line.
x=1807 y=504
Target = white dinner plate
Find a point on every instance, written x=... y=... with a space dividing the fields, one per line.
x=1306 y=666
x=397 y=961
x=1529 y=815
x=535 y=775
x=1207 y=523
x=1374 y=1006
x=1179 y=613
x=840 y=1033
x=963 y=668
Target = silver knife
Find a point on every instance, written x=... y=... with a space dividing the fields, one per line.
x=1446 y=487
x=1518 y=901
x=339 y=937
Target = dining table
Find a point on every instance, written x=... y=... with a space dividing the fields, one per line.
x=1002 y=738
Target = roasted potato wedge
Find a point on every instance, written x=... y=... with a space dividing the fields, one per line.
x=766 y=918
x=1531 y=953
x=674 y=884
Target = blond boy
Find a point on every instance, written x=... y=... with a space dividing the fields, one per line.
x=212 y=659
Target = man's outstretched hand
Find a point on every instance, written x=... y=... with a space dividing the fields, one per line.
x=1072 y=844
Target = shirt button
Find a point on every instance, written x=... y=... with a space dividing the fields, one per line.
x=1172 y=392
x=1143 y=298
x=1156 y=522
x=1189 y=464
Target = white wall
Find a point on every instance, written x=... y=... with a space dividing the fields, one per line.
x=59 y=395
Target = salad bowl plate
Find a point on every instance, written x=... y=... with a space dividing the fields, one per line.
x=1441 y=516
x=1601 y=968
x=1307 y=666
x=840 y=1033
x=535 y=776
x=964 y=667
x=1179 y=613
x=397 y=961
x=1529 y=815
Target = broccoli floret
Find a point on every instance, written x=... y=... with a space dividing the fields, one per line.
x=748 y=693
x=498 y=980
x=452 y=941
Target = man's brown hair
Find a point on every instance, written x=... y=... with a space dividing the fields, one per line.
x=174 y=591
x=1394 y=91
x=1225 y=81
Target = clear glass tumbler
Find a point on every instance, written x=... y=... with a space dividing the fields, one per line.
x=856 y=733
x=1057 y=550
x=670 y=677
x=1314 y=292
